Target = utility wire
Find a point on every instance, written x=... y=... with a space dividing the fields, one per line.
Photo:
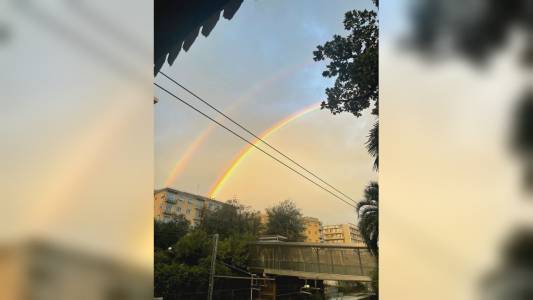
x=255 y=136
x=258 y=148
x=234 y=267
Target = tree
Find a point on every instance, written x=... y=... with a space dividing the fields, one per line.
x=474 y=31
x=182 y=271
x=231 y=219
x=235 y=250
x=367 y=210
x=372 y=144
x=286 y=219
x=168 y=233
x=354 y=64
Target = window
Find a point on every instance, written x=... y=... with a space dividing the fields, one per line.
x=178 y=209
x=188 y=211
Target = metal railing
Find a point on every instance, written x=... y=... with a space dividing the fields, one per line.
x=313 y=258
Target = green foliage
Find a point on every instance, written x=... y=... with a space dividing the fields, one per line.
x=372 y=144
x=286 y=219
x=166 y=234
x=231 y=219
x=184 y=268
x=234 y=250
x=193 y=247
x=183 y=271
x=367 y=210
x=173 y=280
x=375 y=282
x=354 y=63
x=349 y=287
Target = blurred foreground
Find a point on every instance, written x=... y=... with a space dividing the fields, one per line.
x=456 y=134
x=77 y=141
x=41 y=270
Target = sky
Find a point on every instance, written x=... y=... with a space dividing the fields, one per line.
x=259 y=69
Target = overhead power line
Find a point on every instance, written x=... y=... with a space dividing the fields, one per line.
x=256 y=136
x=252 y=144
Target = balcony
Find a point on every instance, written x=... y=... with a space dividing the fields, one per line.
x=171 y=201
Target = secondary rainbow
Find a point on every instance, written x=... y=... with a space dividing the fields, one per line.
x=246 y=150
x=186 y=157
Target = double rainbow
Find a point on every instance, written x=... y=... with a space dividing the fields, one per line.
x=246 y=150
x=181 y=164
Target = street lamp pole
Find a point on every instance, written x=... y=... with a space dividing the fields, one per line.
x=212 y=272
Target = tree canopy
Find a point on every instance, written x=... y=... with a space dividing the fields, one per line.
x=285 y=219
x=231 y=219
x=167 y=234
x=354 y=64
x=182 y=271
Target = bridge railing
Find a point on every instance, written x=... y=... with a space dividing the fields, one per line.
x=313 y=258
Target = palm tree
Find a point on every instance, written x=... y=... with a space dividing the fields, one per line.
x=372 y=144
x=367 y=210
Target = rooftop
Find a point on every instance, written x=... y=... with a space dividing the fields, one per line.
x=174 y=191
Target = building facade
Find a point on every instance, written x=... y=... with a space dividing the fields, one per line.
x=342 y=234
x=170 y=203
x=313 y=230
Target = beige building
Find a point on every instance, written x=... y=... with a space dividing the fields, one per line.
x=313 y=230
x=342 y=234
x=170 y=203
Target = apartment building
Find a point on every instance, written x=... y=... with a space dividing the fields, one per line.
x=170 y=203
x=342 y=234
x=313 y=230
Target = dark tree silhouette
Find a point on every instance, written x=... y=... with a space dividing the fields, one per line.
x=475 y=29
x=354 y=65
x=167 y=234
x=231 y=219
x=522 y=139
x=372 y=144
x=367 y=210
x=511 y=279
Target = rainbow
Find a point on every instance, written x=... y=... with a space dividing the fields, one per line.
x=246 y=150
x=184 y=159
x=187 y=156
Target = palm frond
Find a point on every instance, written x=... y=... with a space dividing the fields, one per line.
x=372 y=144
